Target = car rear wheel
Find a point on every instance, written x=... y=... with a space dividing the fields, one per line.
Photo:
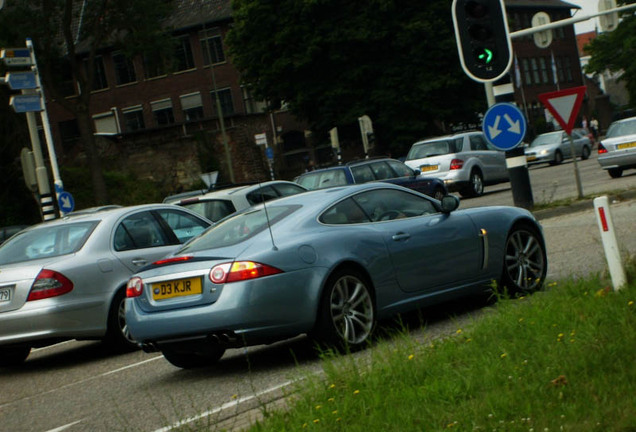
x=585 y=153
x=14 y=355
x=192 y=360
x=346 y=317
x=615 y=172
x=475 y=186
x=118 y=335
x=525 y=261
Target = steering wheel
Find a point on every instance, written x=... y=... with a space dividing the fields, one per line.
x=390 y=215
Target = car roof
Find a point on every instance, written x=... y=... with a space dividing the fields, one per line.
x=455 y=135
x=228 y=193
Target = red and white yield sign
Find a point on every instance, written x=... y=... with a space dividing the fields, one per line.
x=564 y=105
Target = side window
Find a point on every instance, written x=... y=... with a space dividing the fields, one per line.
x=264 y=193
x=213 y=210
x=362 y=174
x=139 y=231
x=183 y=225
x=400 y=169
x=459 y=145
x=345 y=212
x=381 y=170
x=478 y=143
x=388 y=204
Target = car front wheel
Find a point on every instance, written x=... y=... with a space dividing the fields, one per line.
x=13 y=355
x=346 y=317
x=118 y=335
x=525 y=261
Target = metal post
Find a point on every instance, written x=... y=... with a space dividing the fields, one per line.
x=577 y=174
x=610 y=242
x=41 y=174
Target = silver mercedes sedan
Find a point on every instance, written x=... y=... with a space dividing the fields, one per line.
x=66 y=279
x=330 y=263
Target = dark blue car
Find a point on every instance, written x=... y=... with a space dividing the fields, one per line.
x=367 y=170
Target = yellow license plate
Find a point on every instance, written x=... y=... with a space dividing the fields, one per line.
x=626 y=145
x=531 y=158
x=425 y=168
x=176 y=288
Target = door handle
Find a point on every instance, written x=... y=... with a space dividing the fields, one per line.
x=401 y=236
x=139 y=262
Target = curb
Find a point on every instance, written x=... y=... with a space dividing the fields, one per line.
x=583 y=205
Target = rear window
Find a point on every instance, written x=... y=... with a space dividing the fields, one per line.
x=238 y=228
x=323 y=179
x=46 y=242
x=214 y=210
x=622 y=128
x=435 y=148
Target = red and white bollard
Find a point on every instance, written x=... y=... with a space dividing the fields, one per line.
x=610 y=243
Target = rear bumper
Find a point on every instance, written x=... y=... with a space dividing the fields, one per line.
x=622 y=160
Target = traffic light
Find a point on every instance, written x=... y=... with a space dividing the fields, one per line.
x=483 y=41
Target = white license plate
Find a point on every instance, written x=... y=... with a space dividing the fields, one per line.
x=5 y=294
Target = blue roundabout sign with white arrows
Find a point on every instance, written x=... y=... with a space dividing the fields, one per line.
x=504 y=126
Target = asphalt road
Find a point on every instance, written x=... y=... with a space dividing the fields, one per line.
x=76 y=386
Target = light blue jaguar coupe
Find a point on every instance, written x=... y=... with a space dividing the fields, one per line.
x=328 y=263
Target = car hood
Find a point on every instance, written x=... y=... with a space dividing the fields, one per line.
x=541 y=147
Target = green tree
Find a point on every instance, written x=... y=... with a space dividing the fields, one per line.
x=333 y=61
x=615 y=51
x=67 y=35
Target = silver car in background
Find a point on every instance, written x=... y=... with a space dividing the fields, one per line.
x=466 y=162
x=617 y=151
x=554 y=147
x=66 y=278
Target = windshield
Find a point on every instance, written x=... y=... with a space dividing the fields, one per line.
x=238 y=228
x=434 y=148
x=544 y=139
x=214 y=210
x=622 y=128
x=46 y=242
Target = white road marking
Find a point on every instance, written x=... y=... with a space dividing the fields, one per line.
x=223 y=407
x=61 y=428
x=83 y=381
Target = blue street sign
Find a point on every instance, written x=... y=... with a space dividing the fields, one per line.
x=269 y=152
x=66 y=202
x=21 y=80
x=26 y=103
x=504 y=126
x=16 y=56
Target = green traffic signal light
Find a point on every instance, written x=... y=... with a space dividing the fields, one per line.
x=485 y=56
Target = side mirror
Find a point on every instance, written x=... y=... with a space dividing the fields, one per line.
x=416 y=172
x=450 y=203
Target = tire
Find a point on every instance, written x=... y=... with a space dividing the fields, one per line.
x=585 y=153
x=438 y=194
x=475 y=186
x=615 y=172
x=118 y=335
x=525 y=261
x=346 y=318
x=193 y=360
x=14 y=355
x=558 y=158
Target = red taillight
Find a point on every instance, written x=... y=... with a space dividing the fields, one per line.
x=456 y=164
x=601 y=149
x=173 y=260
x=240 y=271
x=135 y=287
x=49 y=283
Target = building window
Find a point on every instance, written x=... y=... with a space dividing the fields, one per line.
x=559 y=65
x=124 y=69
x=134 y=118
x=99 y=78
x=535 y=71
x=225 y=98
x=252 y=106
x=69 y=133
x=154 y=65
x=67 y=83
x=527 y=76
x=162 y=112
x=183 y=59
x=106 y=123
x=192 y=106
x=544 y=70
x=212 y=46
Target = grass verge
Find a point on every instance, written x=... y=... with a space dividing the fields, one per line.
x=561 y=359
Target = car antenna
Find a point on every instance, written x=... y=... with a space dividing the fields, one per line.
x=269 y=226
